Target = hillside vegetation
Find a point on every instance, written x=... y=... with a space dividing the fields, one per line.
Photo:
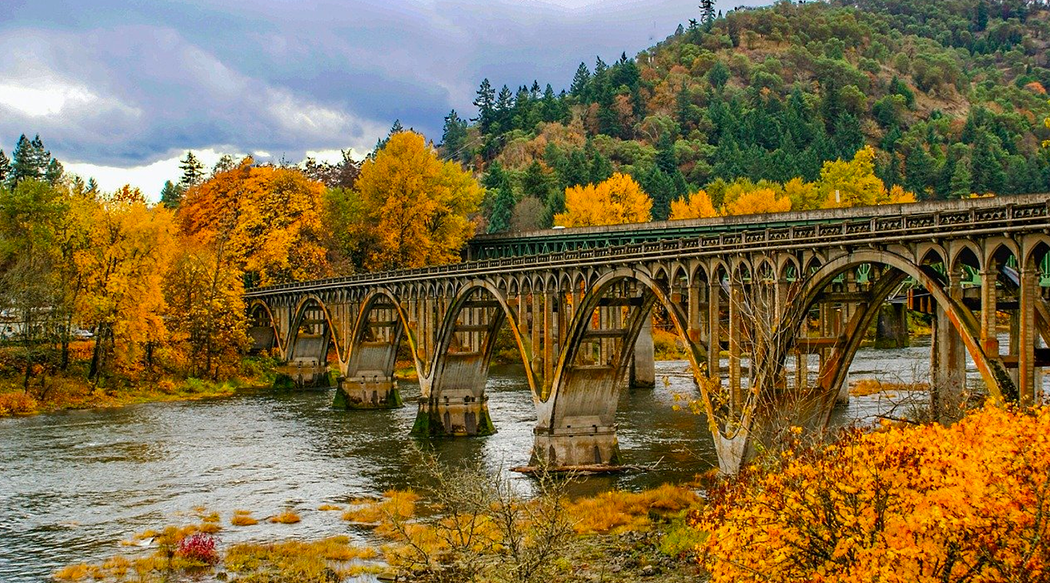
x=950 y=94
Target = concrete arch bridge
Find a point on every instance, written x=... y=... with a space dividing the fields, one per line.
x=788 y=297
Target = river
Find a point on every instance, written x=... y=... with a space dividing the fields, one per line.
x=76 y=483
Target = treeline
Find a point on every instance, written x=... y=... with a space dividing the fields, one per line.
x=951 y=96
x=160 y=287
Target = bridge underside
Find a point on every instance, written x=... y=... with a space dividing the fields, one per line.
x=770 y=328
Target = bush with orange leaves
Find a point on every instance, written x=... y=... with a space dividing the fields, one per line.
x=969 y=502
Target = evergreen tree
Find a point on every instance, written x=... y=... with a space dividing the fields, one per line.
x=580 y=81
x=92 y=186
x=661 y=188
x=53 y=173
x=504 y=108
x=601 y=167
x=170 y=195
x=192 y=171
x=486 y=104
x=719 y=75
x=535 y=183
x=707 y=13
x=502 y=208
x=961 y=182
x=574 y=170
x=987 y=165
x=454 y=137
x=25 y=163
x=919 y=171
x=5 y=167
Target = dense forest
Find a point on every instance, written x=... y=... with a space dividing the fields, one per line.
x=950 y=94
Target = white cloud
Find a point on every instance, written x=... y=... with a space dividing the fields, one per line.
x=149 y=178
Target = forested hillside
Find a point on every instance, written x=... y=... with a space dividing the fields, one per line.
x=951 y=94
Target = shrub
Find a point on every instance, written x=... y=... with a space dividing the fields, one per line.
x=198 y=548
x=286 y=517
x=17 y=403
x=243 y=518
x=968 y=502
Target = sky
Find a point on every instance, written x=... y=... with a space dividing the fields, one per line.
x=119 y=89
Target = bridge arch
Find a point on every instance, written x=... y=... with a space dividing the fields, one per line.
x=577 y=419
x=268 y=322
x=961 y=318
x=294 y=343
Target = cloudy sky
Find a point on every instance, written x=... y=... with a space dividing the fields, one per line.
x=120 y=89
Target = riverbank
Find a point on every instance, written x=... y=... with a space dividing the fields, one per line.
x=72 y=390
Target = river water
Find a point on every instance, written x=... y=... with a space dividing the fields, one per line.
x=74 y=484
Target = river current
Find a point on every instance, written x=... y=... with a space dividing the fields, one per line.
x=74 y=484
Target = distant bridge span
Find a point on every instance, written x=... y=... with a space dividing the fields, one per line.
x=774 y=291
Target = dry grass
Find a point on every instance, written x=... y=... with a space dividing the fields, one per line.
x=287 y=517
x=619 y=511
x=329 y=507
x=297 y=561
x=866 y=387
x=243 y=518
x=400 y=503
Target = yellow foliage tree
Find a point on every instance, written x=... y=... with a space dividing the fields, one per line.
x=266 y=220
x=761 y=201
x=922 y=504
x=419 y=206
x=697 y=206
x=852 y=183
x=1046 y=122
x=131 y=245
x=804 y=195
x=616 y=201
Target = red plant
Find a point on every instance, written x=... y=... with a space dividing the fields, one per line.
x=199 y=547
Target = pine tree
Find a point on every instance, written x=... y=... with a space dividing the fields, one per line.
x=192 y=171
x=53 y=173
x=718 y=75
x=707 y=13
x=535 y=183
x=170 y=195
x=486 y=104
x=25 y=163
x=454 y=137
x=224 y=164
x=502 y=208
x=504 y=108
x=580 y=81
x=961 y=182
x=986 y=164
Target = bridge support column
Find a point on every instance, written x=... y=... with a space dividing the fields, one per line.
x=989 y=339
x=947 y=363
x=643 y=365
x=892 y=328
x=714 y=326
x=1027 y=334
x=576 y=447
x=364 y=392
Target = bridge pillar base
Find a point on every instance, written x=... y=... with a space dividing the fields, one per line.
x=289 y=378
x=367 y=393
x=571 y=448
x=454 y=416
x=643 y=366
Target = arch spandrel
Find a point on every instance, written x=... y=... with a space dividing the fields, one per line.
x=962 y=319
x=333 y=332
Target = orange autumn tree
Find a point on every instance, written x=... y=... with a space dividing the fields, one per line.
x=969 y=502
x=266 y=220
x=616 y=201
x=696 y=206
x=418 y=207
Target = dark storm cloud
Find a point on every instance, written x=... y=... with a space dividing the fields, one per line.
x=116 y=82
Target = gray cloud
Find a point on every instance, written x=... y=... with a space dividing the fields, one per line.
x=123 y=83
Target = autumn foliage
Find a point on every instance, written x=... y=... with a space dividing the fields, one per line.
x=970 y=502
x=697 y=205
x=418 y=206
x=616 y=201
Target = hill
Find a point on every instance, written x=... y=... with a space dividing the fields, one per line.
x=950 y=93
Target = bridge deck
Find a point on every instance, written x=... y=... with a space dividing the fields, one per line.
x=599 y=245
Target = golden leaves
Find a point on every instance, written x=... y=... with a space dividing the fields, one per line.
x=616 y=201
x=696 y=206
x=930 y=503
x=418 y=206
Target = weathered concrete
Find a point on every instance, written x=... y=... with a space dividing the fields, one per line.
x=365 y=392
x=891 y=330
x=643 y=362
